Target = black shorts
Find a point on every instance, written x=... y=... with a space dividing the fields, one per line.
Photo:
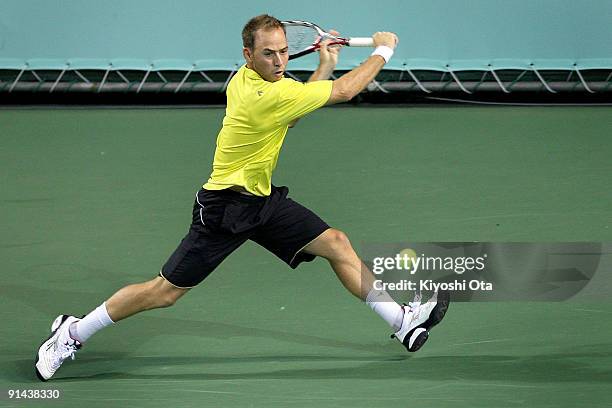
x=223 y=220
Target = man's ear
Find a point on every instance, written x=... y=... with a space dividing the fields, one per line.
x=248 y=56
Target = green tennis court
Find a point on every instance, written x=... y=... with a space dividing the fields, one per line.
x=94 y=199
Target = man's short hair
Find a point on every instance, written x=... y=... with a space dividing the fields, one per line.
x=263 y=21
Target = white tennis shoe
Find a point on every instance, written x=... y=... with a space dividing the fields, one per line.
x=419 y=318
x=56 y=348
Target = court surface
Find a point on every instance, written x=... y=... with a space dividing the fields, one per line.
x=94 y=199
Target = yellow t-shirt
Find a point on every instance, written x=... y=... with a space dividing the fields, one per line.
x=256 y=121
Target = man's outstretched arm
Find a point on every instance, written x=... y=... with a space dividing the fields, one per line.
x=350 y=84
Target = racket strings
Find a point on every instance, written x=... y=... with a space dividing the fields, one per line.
x=299 y=38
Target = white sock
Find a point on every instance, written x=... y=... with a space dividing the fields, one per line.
x=90 y=324
x=386 y=307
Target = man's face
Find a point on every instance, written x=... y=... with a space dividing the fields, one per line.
x=269 y=55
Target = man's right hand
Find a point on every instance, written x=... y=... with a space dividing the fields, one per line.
x=385 y=38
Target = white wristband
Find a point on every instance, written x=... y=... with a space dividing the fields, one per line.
x=384 y=51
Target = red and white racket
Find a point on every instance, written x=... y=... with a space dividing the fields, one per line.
x=304 y=37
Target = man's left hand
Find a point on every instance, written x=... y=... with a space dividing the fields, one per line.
x=328 y=54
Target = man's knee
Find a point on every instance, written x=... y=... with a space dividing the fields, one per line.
x=164 y=293
x=338 y=241
x=333 y=244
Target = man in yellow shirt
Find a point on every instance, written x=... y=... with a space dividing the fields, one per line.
x=239 y=202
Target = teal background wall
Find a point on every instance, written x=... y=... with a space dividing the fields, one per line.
x=462 y=33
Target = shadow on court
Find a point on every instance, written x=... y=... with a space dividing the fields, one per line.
x=540 y=368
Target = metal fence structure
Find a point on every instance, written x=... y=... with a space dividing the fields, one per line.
x=421 y=81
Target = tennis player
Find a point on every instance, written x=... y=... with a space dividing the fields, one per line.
x=240 y=203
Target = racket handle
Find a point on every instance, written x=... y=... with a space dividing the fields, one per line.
x=361 y=42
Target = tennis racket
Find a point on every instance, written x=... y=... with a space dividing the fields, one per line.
x=304 y=37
